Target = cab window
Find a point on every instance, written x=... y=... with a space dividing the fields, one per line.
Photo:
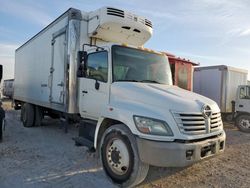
x=97 y=66
x=245 y=92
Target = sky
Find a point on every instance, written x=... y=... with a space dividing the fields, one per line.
x=209 y=32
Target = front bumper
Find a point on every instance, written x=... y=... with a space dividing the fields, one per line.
x=174 y=154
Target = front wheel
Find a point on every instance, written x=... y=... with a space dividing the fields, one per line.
x=243 y=123
x=119 y=156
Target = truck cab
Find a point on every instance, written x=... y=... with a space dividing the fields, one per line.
x=117 y=64
x=127 y=92
x=242 y=108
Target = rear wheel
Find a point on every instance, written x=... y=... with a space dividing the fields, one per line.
x=28 y=115
x=38 y=116
x=243 y=123
x=120 y=157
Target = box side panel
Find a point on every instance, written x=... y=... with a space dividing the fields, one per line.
x=32 y=68
x=207 y=82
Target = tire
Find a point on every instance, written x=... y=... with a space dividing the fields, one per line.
x=243 y=123
x=28 y=115
x=120 y=158
x=38 y=116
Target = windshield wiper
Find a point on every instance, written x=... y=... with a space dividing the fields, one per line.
x=126 y=80
x=150 y=81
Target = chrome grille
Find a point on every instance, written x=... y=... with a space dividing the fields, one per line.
x=216 y=122
x=195 y=123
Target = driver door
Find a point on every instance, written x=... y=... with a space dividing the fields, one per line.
x=94 y=87
x=243 y=104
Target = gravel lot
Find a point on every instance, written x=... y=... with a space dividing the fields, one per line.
x=46 y=157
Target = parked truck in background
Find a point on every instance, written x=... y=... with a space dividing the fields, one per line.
x=92 y=68
x=182 y=71
x=228 y=87
x=8 y=88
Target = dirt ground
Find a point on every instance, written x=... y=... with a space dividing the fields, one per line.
x=46 y=157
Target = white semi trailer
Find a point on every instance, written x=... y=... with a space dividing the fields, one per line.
x=92 y=68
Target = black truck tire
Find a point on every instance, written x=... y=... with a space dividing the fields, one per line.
x=120 y=158
x=28 y=115
x=243 y=122
x=38 y=116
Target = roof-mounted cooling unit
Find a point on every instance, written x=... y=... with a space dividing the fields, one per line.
x=115 y=25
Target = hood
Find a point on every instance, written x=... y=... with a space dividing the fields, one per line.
x=162 y=96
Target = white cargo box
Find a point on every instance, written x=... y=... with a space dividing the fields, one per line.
x=219 y=83
x=45 y=67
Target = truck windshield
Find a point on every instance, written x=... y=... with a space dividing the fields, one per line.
x=135 y=65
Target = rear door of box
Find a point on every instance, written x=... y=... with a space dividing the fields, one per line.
x=58 y=68
x=208 y=82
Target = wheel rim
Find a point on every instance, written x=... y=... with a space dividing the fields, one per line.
x=118 y=156
x=245 y=123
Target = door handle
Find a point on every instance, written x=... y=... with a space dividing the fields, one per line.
x=44 y=85
x=60 y=84
x=84 y=91
x=241 y=105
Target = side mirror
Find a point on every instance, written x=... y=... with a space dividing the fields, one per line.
x=1 y=72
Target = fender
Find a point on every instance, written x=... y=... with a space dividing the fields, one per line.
x=114 y=115
x=238 y=113
x=123 y=112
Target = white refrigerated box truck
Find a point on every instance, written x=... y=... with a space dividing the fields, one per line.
x=219 y=83
x=92 y=68
x=228 y=87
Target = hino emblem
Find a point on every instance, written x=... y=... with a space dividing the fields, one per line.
x=206 y=111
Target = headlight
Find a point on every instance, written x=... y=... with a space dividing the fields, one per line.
x=152 y=126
